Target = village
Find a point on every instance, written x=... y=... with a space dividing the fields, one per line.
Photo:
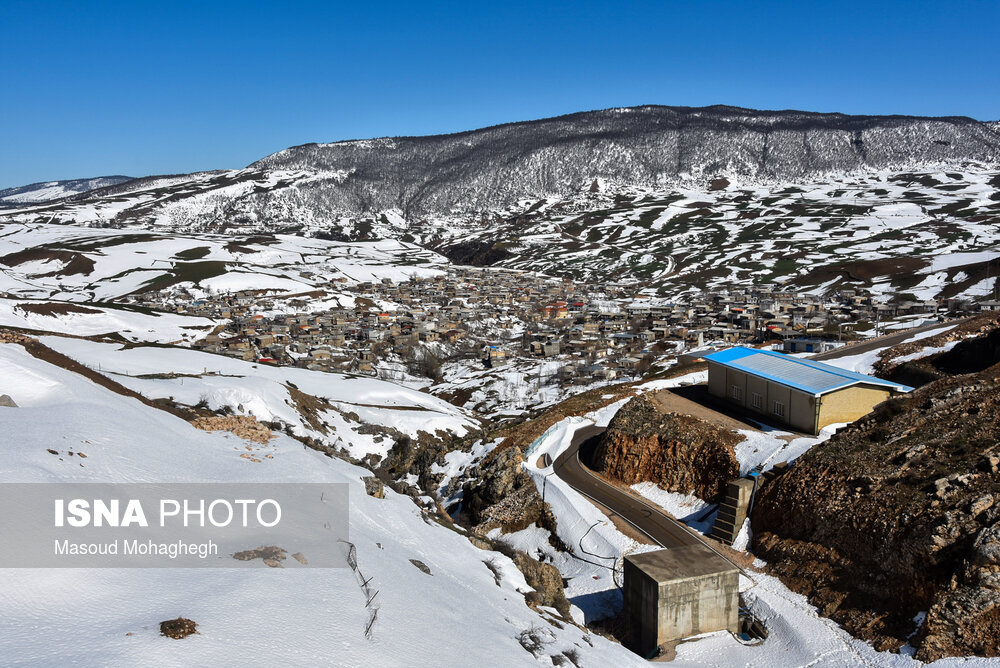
x=487 y=317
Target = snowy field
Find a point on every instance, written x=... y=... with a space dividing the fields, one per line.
x=71 y=263
x=456 y=616
x=264 y=392
x=132 y=325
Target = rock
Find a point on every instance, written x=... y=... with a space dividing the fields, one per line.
x=178 y=628
x=7 y=336
x=514 y=512
x=546 y=580
x=922 y=534
x=680 y=453
x=964 y=618
x=504 y=475
x=243 y=426
x=987 y=547
x=480 y=542
x=6 y=401
x=374 y=487
x=422 y=566
x=271 y=554
x=981 y=504
x=504 y=495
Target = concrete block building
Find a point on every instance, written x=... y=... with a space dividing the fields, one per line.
x=678 y=593
x=802 y=393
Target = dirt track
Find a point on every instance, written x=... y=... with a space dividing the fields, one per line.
x=672 y=402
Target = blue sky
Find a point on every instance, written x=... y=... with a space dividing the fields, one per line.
x=136 y=88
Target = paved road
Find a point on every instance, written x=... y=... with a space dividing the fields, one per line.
x=647 y=518
x=882 y=341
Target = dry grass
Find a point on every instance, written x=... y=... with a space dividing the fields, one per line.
x=521 y=435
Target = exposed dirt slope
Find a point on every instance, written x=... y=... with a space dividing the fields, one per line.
x=680 y=453
x=977 y=347
x=897 y=515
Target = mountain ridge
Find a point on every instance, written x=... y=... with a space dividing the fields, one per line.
x=648 y=145
x=678 y=108
x=45 y=191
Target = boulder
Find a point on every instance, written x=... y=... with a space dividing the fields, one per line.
x=178 y=628
x=374 y=487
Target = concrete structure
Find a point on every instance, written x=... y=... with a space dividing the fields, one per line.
x=677 y=593
x=733 y=510
x=804 y=394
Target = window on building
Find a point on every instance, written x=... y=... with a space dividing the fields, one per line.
x=737 y=393
x=756 y=400
x=779 y=409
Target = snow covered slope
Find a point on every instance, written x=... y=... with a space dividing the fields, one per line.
x=381 y=183
x=73 y=263
x=342 y=409
x=51 y=190
x=918 y=235
x=922 y=234
x=460 y=614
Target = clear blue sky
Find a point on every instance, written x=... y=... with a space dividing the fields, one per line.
x=93 y=88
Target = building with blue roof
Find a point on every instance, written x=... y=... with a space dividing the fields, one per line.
x=805 y=394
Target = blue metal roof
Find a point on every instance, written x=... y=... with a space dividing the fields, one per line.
x=809 y=376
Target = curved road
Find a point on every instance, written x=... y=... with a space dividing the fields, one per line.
x=885 y=340
x=645 y=517
x=648 y=519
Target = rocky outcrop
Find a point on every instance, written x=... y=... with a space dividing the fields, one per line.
x=243 y=426
x=8 y=336
x=373 y=487
x=972 y=346
x=896 y=515
x=6 y=401
x=503 y=495
x=678 y=452
x=547 y=582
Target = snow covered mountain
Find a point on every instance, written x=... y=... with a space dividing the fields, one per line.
x=649 y=146
x=317 y=185
x=673 y=197
x=50 y=190
x=911 y=234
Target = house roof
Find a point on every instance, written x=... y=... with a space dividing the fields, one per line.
x=815 y=378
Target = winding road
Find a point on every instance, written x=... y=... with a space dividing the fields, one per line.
x=646 y=518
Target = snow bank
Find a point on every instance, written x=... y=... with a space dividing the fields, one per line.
x=132 y=325
x=456 y=616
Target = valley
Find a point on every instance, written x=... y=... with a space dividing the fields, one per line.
x=440 y=323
